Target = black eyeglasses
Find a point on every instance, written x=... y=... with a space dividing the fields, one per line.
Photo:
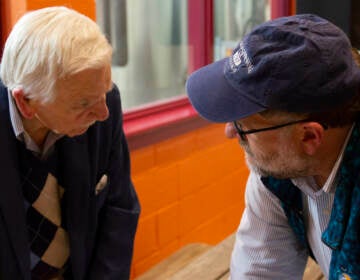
x=242 y=133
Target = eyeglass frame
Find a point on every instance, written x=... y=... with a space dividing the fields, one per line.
x=242 y=133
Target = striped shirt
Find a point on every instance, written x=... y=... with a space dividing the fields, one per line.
x=265 y=246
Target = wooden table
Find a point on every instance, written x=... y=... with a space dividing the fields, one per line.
x=205 y=262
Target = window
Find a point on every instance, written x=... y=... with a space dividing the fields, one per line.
x=233 y=19
x=150 y=41
x=150 y=47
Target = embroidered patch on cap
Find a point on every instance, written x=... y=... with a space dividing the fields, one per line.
x=242 y=56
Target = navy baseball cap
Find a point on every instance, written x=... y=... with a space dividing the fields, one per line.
x=302 y=63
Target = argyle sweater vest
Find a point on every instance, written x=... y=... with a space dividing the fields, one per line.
x=48 y=239
x=343 y=232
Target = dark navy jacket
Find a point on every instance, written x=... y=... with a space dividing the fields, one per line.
x=343 y=232
x=101 y=227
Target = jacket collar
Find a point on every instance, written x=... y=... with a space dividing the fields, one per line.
x=346 y=194
x=75 y=178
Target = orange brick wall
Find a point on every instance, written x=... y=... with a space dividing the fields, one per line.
x=191 y=190
x=190 y=186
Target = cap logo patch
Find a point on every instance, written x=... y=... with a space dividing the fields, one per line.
x=241 y=55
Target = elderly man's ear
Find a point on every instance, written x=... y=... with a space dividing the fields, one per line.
x=23 y=103
x=311 y=134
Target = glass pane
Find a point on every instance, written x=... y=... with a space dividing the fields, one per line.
x=150 y=40
x=235 y=18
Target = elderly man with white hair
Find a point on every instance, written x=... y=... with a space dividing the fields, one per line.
x=68 y=209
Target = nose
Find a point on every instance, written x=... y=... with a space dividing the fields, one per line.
x=230 y=131
x=101 y=111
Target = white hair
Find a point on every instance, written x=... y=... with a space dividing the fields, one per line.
x=48 y=44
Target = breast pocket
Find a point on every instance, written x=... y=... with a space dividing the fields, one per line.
x=101 y=190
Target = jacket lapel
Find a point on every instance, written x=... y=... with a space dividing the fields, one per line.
x=75 y=179
x=12 y=202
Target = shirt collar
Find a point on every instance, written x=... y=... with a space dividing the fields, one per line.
x=330 y=182
x=308 y=184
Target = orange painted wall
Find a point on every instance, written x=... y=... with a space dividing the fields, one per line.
x=12 y=10
x=190 y=186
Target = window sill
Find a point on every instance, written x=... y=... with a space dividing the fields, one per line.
x=159 y=121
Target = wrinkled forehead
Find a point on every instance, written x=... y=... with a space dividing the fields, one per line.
x=89 y=82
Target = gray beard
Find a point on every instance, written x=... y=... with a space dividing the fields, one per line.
x=281 y=174
x=287 y=169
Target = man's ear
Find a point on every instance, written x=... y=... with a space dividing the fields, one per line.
x=312 y=137
x=22 y=103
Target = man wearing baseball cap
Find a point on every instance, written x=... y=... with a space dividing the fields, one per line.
x=290 y=94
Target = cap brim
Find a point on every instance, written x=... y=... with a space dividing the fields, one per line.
x=214 y=98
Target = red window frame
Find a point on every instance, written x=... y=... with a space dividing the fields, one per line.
x=161 y=120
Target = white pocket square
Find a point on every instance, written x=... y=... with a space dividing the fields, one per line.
x=101 y=184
